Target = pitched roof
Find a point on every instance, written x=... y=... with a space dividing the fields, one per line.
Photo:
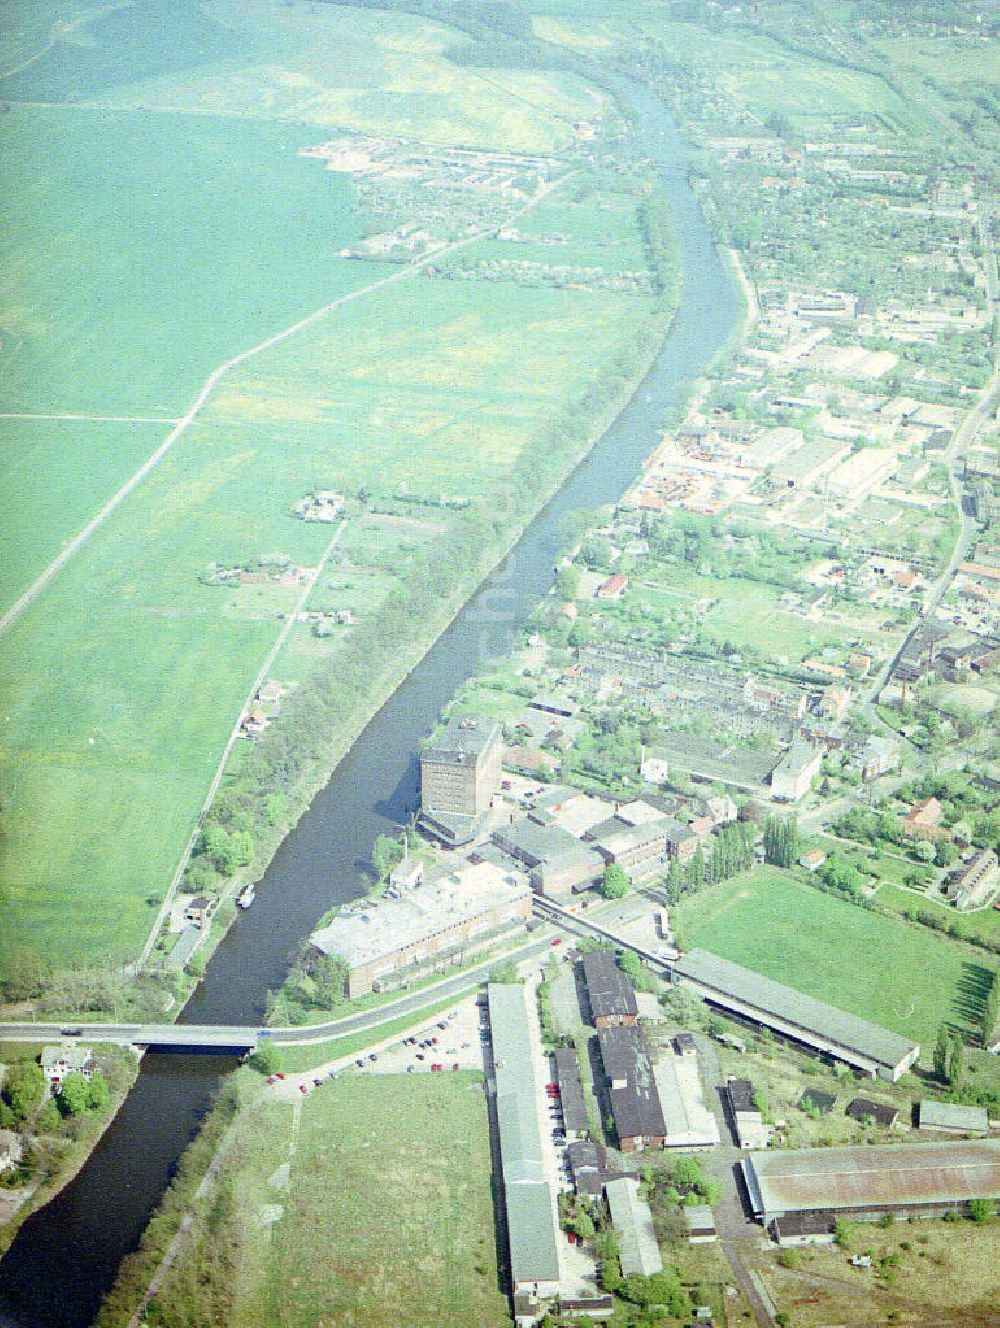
x=633 y=1221
x=890 y=1175
x=610 y=990
x=796 y=1008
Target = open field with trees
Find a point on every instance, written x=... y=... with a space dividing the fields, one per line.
x=371 y=1198
x=903 y=977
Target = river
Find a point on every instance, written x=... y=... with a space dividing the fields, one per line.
x=66 y=1255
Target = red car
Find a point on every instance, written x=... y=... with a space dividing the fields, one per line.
x=552 y=1088
x=455 y=1066
x=279 y=1075
x=557 y=941
x=303 y=1088
x=437 y=1066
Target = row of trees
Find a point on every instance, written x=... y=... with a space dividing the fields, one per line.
x=949 y=1057
x=782 y=842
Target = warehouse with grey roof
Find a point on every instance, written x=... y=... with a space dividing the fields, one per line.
x=917 y=1180
x=529 y=1203
x=866 y=1046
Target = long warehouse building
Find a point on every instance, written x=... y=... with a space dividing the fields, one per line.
x=914 y=1180
x=866 y=1046
x=530 y=1206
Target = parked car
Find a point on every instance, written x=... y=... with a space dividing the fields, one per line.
x=437 y=1066
x=303 y=1088
x=557 y=941
x=421 y=1056
x=410 y=1069
x=373 y=1057
x=455 y=1066
x=278 y=1075
x=442 y=1024
x=360 y=1064
x=317 y=1082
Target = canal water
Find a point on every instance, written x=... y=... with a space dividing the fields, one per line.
x=66 y=1256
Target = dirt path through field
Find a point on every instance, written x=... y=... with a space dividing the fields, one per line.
x=77 y=542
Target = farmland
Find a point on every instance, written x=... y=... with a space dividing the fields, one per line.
x=189 y=230
x=902 y=977
x=404 y=1235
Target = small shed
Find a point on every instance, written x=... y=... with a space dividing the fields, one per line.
x=864 y=1109
x=700 y=1224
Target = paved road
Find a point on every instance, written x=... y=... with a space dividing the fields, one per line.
x=739 y=1235
x=227 y=1036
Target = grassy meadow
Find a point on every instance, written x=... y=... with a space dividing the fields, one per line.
x=57 y=473
x=404 y=1234
x=902 y=977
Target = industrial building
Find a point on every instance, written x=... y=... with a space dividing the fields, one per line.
x=632 y=1220
x=748 y=1119
x=952 y=1118
x=572 y=1103
x=460 y=775
x=910 y=1180
x=557 y=862
x=632 y=1091
x=382 y=940
x=865 y=1046
x=792 y=776
x=529 y=1202
x=609 y=991
x=689 y=1122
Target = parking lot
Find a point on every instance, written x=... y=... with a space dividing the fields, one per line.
x=450 y=1040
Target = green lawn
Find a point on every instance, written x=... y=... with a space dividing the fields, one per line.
x=903 y=977
x=405 y=1234
x=983 y=923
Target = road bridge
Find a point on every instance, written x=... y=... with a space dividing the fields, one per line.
x=227 y=1038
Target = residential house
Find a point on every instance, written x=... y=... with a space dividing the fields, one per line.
x=68 y=1058
x=11 y=1149
x=879 y=756
x=921 y=821
x=613 y=587
x=197 y=909
x=973 y=883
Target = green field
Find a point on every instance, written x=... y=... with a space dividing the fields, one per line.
x=157 y=228
x=902 y=977
x=57 y=474
x=750 y=614
x=136 y=266
x=402 y=1235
